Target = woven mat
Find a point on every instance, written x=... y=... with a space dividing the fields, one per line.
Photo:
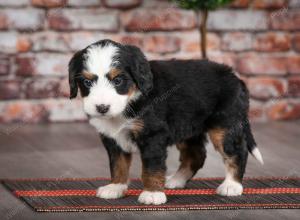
x=61 y=195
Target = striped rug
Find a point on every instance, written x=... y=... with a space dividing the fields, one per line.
x=78 y=194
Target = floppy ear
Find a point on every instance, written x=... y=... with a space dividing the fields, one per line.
x=75 y=67
x=140 y=69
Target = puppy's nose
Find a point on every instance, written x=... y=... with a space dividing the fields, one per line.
x=102 y=108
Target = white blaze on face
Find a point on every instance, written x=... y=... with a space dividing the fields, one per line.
x=99 y=61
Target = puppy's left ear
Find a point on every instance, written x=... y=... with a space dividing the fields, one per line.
x=75 y=67
x=140 y=69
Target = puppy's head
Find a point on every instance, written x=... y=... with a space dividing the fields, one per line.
x=109 y=75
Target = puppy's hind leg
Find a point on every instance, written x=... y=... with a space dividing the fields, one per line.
x=192 y=157
x=233 y=149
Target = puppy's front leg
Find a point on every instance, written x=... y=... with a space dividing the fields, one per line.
x=153 y=175
x=119 y=162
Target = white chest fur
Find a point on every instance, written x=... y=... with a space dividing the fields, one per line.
x=118 y=129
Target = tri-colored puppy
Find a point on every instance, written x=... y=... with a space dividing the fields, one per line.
x=147 y=106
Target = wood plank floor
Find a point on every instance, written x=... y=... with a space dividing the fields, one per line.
x=74 y=150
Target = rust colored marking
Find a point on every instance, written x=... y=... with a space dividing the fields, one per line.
x=137 y=127
x=88 y=75
x=113 y=73
x=153 y=181
x=217 y=138
x=121 y=168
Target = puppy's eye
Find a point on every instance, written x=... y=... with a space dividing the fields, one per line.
x=117 y=81
x=87 y=83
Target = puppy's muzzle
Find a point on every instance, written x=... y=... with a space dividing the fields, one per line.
x=102 y=109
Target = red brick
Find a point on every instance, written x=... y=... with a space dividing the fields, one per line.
x=85 y=3
x=4 y=65
x=257 y=111
x=49 y=3
x=11 y=42
x=47 y=64
x=287 y=20
x=25 y=65
x=14 y=3
x=23 y=111
x=293 y=64
x=64 y=89
x=272 y=42
x=213 y=42
x=161 y=44
x=23 y=44
x=132 y=40
x=269 y=4
x=284 y=110
x=8 y=42
x=88 y=19
x=260 y=64
x=237 y=41
x=224 y=20
x=169 y=19
x=62 y=110
x=240 y=4
x=59 y=21
x=121 y=4
x=51 y=41
x=3 y=21
x=51 y=64
x=10 y=89
x=190 y=41
x=296 y=42
x=294 y=86
x=43 y=88
x=226 y=58
x=78 y=40
x=19 y=18
x=266 y=87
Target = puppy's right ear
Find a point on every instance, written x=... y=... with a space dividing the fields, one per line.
x=75 y=67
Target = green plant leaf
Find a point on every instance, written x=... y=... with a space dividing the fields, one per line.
x=201 y=4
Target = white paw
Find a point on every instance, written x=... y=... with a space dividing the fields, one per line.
x=175 y=181
x=112 y=191
x=155 y=198
x=230 y=188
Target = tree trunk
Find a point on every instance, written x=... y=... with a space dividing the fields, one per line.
x=202 y=31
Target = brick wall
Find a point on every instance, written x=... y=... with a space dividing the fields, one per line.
x=260 y=38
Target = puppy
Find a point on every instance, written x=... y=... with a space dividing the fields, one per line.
x=147 y=106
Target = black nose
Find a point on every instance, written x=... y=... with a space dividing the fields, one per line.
x=102 y=108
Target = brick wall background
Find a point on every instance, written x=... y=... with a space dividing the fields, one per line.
x=260 y=38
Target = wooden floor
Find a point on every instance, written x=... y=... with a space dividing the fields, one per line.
x=74 y=150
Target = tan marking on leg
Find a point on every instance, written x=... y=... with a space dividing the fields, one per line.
x=190 y=159
x=153 y=181
x=121 y=168
x=217 y=138
x=231 y=168
x=231 y=186
x=184 y=157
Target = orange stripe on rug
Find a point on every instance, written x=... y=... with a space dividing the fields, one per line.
x=136 y=192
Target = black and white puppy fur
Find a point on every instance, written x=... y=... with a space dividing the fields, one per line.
x=147 y=106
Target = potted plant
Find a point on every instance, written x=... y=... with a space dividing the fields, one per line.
x=201 y=7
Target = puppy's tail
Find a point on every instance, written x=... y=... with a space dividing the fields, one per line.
x=251 y=145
